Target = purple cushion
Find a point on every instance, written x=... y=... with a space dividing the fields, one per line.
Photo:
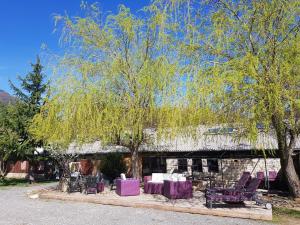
x=272 y=175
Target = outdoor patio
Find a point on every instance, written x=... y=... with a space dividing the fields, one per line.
x=195 y=205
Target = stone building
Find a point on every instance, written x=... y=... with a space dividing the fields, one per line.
x=215 y=152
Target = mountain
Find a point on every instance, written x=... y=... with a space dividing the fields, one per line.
x=5 y=97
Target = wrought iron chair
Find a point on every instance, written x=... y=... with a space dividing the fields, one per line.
x=237 y=196
x=74 y=183
x=90 y=184
x=240 y=185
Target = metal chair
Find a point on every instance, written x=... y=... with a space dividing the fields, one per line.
x=237 y=196
x=241 y=184
x=90 y=185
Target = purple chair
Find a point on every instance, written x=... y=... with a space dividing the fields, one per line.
x=128 y=187
x=178 y=189
x=100 y=187
x=249 y=194
x=260 y=175
x=146 y=184
x=272 y=176
x=241 y=184
x=152 y=187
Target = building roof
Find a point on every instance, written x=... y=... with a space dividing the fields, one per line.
x=96 y=147
x=208 y=140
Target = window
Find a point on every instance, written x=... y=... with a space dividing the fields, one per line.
x=213 y=165
x=154 y=165
x=182 y=165
x=197 y=165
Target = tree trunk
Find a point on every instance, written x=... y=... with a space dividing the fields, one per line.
x=289 y=171
x=63 y=184
x=63 y=165
x=2 y=168
x=135 y=163
x=286 y=141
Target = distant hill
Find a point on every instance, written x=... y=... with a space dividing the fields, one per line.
x=5 y=97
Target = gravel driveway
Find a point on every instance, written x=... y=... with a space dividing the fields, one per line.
x=17 y=209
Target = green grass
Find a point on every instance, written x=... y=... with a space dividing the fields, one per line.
x=286 y=212
x=18 y=182
x=13 y=182
x=280 y=214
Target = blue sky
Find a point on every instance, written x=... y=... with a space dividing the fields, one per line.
x=26 y=24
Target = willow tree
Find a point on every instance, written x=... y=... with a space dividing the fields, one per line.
x=247 y=68
x=116 y=82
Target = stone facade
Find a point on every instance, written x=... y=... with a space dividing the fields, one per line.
x=230 y=169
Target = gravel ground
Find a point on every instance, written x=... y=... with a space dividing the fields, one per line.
x=17 y=209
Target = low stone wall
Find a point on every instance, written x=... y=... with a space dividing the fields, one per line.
x=16 y=175
x=194 y=205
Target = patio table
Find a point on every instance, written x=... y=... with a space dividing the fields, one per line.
x=178 y=189
x=128 y=187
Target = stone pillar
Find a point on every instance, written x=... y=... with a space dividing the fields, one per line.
x=189 y=166
x=171 y=165
x=204 y=166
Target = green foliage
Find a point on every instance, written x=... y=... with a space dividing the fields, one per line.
x=11 y=127
x=180 y=64
x=11 y=124
x=242 y=60
x=117 y=82
x=245 y=64
x=15 y=118
x=253 y=75
x=120 y=83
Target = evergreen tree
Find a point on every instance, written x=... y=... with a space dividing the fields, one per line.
x=32 y=88
x=29 y=101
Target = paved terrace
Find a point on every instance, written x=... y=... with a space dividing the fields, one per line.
x=193 y=206
x=17 y=209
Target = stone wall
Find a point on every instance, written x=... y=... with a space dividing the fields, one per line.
x=172 y=164
x=232 y=168
x=16 y=175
